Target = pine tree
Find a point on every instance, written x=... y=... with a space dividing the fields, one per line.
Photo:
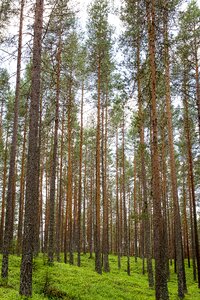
x=32 y=160
x=10 y=201
x=99 y=47
x=160 y=261
x=178 y=231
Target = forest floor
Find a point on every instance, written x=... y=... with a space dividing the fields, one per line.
x=62 y=281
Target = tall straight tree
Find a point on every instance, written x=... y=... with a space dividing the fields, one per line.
x=147 y=227
x=22 y=187
x=60 y=199
x=189 y=23
x=82 y=66
x=99 y=48
x=106 y=266
x=160 y=261
x=54 y=158
x=9 y=220
x=133 y=16
x=3 y=193
x=69 y=170
x=190 y=167
x=56 y=32
x=177 y=224
x=32 y=159
x=80 y=178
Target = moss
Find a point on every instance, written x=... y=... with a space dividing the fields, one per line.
x=63 y=281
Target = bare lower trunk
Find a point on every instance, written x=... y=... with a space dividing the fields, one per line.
x=192 y=231
x=191 y=175
x=3 y=194
x=147 y=229
x=98 y=264
x=22 y=190
x=185 y=225
x=164 y=195
x=80 y=182
x=69 y=175
x=60 y=199
x=54 y=159
x=117 y=208
x=135 y=211
x=105 y=247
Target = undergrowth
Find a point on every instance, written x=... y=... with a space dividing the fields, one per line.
x=63 y=281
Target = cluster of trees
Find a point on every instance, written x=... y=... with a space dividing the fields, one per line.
x=100 y=150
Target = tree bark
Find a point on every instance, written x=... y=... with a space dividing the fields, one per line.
x=80 y=181
x=98 y=264
x=160 y=260
x=182 y=288
x=147 y=228
x=69 y=174
x=54 y=159
x=3 y=193
x=32 y=159
x=117 y=207
x=8 y=234
x=60 y=199
x=191 y=175
x=105 y=247
x=22 y=190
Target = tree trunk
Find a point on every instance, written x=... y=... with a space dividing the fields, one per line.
x=125 y=233
x=58 y=223
x=191 y=175
x=32 y=159
x=84 y=205
x=117 y=206
x=54 y=159
x=22 y=185
x=192 y=230
x=182 y=288
x=46 y=225
x=147 y=228
x=80 y=181
x=135 y=209
x=8 y=233
x=3 y=193
x=185 y=223
x=164 y=193
x=37 y=219
x=129 y=233
x=98 y=264
x=69 y=174
x=105 y=247
x=90 y=212
x=160 y=260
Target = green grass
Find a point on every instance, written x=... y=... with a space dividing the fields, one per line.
x=63 y=281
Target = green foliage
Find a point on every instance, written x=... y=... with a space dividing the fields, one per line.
x=4 y=84
x=99 y=41
x=63 y=281
x=6 y=11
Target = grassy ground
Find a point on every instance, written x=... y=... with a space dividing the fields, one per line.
x=70 y=282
